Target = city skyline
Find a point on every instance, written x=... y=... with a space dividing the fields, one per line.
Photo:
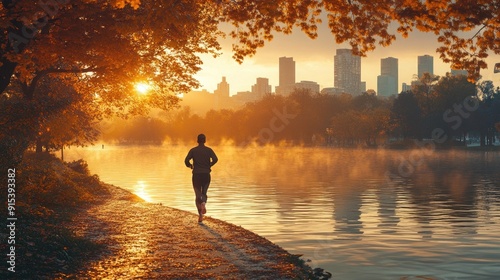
x=387 y=79
x=315 y=61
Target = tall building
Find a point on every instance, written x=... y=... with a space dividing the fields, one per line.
x=286 y=75
x=425 y=65
x=261 y=88
x=385 y=85
x=222 y=89
x=221 y=94
x=347 y=74
x=387 y=82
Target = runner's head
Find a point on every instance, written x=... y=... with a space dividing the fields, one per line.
x=202 y=139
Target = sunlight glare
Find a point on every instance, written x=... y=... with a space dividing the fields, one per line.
x=142 y=88
x=140 y=189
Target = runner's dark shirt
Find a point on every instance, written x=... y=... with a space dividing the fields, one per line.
x=203 y=157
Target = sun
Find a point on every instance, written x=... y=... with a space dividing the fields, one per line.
x=142 y=88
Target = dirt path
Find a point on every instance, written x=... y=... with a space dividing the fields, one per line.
x=147 y=241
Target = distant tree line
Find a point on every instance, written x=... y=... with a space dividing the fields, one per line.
x=445 y=109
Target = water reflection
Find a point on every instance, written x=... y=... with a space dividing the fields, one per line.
x=347 y=213
x=141 y=189
x=387 y=198
x=338 y=207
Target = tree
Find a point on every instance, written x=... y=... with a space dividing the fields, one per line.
x=487 y=116
x=366 y=101
x=16 y=127
x=66 y=118
x=406 y=116
x=307 y=121
x=101 y=51
x=487 y=90
x=166 y=35
x=425 y=93
x=342 y=129
x=377 y=124
x=453 y=93
x=451 y=90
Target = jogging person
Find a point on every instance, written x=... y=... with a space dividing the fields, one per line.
x=203 y=159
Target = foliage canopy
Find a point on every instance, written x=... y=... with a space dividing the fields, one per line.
x=126 y=40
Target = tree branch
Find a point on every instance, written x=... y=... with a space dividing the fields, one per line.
x=481 y=29
x=29 y=91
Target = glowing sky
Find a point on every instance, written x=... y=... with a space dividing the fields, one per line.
x=314 y=61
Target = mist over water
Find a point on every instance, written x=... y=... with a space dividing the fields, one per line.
x=361 y=214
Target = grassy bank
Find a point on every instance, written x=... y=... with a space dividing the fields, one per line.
x=49 y=193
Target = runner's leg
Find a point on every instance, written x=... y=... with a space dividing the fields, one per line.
x=198 y=192
x=205 y=185
x=204 y=190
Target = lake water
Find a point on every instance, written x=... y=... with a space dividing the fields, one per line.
x=360 y=214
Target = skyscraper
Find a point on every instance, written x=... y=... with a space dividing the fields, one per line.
x=387 y=82
x=347 y=74
x=425 y=65
x=386 y=85
x=222 y=89
x=261 y=88
x=286 y=75
x=221 y=94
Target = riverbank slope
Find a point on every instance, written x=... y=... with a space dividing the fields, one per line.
x=71 y=225
x=148 y=241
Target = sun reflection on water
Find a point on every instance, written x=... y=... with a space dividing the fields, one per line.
x=141 y=190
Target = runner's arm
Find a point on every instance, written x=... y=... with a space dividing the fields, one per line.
x=188 y=159
x=214 y=158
